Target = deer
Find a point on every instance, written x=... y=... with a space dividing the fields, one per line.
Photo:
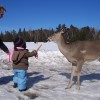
x=77 y=53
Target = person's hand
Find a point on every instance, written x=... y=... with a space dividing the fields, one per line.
x=7 y=52
x=35 y=53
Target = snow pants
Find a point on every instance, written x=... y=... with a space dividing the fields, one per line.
x=20 y=77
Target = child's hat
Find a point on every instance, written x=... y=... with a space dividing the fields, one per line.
x=19 y=42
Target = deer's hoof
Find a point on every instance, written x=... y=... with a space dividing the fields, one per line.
x=78 y=87
x=68 y=87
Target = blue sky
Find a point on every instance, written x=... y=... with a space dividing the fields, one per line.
x=47 y=14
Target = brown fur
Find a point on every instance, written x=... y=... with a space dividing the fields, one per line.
x=77 y=53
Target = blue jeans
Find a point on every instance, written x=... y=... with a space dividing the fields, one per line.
x=20 y=77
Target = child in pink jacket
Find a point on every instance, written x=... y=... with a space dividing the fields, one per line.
x=20 y=63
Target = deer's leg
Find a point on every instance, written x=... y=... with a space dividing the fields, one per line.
x=78 y=72
x=71 y=78
x=78 y=79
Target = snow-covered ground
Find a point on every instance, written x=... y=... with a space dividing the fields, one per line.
x=48 y=77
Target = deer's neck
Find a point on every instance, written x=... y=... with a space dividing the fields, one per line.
x=62 y=45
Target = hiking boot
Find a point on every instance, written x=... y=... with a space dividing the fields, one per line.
x=15 y=85
x=23 y=90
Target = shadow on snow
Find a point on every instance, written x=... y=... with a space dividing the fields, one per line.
x=31 y=80
x=83 y=77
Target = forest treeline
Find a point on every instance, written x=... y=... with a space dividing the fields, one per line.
x=71 y=34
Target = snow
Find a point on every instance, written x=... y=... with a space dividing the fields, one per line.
x=48 y=77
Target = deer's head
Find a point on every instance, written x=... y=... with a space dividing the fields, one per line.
x=55 y=37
